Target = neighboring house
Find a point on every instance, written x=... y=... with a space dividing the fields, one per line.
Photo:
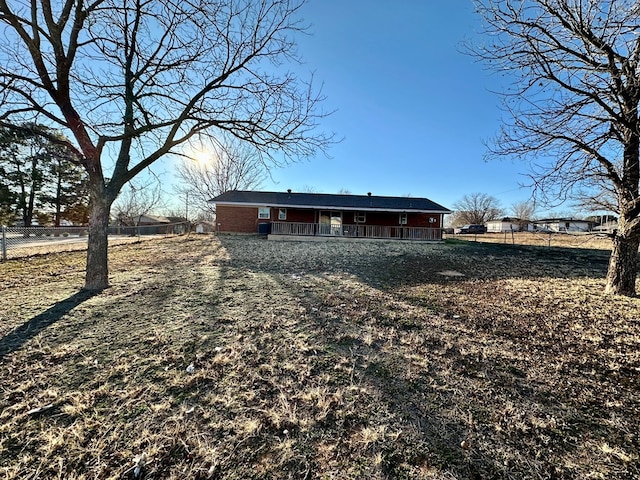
x=141 y=220
x=604 y=223
x=153 y=224
x=151 y=220
x=507 y=224
x=565 y=225
x=318 y=214
x=607 y=227
x=177 y=219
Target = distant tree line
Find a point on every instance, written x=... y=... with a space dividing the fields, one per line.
x=479 y=208
x=40 y=178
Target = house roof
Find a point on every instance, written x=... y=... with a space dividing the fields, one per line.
x=153 y=219
x=177 y=219
x=504 y=220
x=554 y=220
x=328 y=201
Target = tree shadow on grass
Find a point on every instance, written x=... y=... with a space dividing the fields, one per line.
x=387 y=265
x=32 y=327
x=466 y=394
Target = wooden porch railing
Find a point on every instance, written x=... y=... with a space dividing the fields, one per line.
x=356 y=231
x=288 y=228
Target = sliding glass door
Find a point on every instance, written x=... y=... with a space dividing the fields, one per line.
x=330 y=223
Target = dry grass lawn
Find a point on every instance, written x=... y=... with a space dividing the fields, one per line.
x=585 y=240
x=239 y=358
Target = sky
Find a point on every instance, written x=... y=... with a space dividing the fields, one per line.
x=412 y=111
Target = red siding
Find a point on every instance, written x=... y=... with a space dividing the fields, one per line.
x=393 y=219
x=296 y=216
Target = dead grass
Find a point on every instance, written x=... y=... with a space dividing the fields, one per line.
x=599 y=241
x=240 y=358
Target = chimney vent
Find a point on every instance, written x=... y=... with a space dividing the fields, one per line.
x=369 y=193
x=289 y=190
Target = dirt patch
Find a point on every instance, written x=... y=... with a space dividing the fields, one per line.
x=241 y=358
x=451 y=273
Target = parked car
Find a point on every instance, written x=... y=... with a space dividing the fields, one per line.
x=474 y=228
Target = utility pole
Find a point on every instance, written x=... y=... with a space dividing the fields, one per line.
x=186 y=207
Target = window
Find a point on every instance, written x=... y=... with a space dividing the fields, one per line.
x=282 y=214
x=264 y=213
x=360 y=217
x=403 y=219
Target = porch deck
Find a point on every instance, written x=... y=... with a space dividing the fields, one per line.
x=355 y=231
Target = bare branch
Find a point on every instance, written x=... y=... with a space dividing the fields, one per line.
x=215 y=166
x=130 y=81
x=572 y=110
x=476 y=208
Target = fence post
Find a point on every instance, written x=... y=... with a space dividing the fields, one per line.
x=4 y=243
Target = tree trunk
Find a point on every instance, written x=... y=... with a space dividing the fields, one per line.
x=97 y=274
x=623 y=266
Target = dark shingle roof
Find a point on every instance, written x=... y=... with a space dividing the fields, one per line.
x=328 y=201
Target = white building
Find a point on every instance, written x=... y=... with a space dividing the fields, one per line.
x=506 y=224
x=564 y=225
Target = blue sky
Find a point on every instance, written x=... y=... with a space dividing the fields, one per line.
x=413 y=110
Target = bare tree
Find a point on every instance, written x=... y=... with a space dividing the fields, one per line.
x=573 y=105
x=523 y=212
x=129 y=81
x=217 y=168
x=476 y=208
x=135 y=202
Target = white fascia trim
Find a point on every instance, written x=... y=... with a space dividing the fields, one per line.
x=334 y=208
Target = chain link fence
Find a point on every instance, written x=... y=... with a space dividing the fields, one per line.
x=589 y=240
x=24 y=241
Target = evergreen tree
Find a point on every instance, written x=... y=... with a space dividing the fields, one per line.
x=7 y=204
x=65 y=192
x=38 y=172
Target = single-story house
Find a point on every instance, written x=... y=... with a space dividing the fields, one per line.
x=141 y=220
x=150 y=225
x=319 y=214
x=507 y=224
x=565 y=225
x=606 y=227
x=604 y=223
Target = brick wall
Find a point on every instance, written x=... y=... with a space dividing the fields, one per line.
x=237 y=219
x=245 y=219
